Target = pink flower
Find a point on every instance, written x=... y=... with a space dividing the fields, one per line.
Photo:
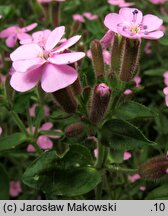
x=142 y=188
x=14 y=33
x=44 y=141
x=157 y=1
x=128 y=92
x=134 y=177
x=120 y=3
x=33 y=63
x=15 y=188
x=90 y=16
x=131 y=23
x=33 y=109
x=106 y=56
x=137 y=79
x=78 y=17
x=127 y=155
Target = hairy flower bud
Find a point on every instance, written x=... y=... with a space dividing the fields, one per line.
x=155 y=168
x=117 y=44
x=99 y=102
x=97 y=58
x=65 y=98
x=130 y=59
x=74 y=129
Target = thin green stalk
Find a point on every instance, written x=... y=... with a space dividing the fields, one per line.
x=120 y=169
x=19 y=122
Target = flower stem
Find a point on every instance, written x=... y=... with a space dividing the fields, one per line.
x=19 y=122
x=120 y=169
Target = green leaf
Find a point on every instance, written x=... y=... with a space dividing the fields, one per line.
x=163 y=41
x=51 y=133
x=70 y=174
x=11 y=141
x=5 y=10
x=155 y=72
x=122 y=135
x=4 y=184
x=159 y=193
x=133 y=110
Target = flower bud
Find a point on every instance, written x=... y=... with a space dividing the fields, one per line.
x=97 y=58
x=155 y=168
x=65 y=98
x=107 y=39
x=99 y=102
x=130 y=59
x=117 y=44
x=74 y=129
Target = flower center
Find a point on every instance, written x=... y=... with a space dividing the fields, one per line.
x=135 y=29
x=44 y=55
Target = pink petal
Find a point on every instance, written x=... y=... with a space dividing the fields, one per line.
x=127 y=155
x=44 y=142
x=30 y=149
x=152 y=22
x=25 y=65
x=46 y=126
x=134 y=177
x=78 y=17
x=107 y=57
x=11 y=40
x=68 y=43
x=57 y=77
x=25 y=81
x=111 y=21
x=66 y=58
x=23 y=36
x=153 y=35
x=107 y=39
x=7 y=32
x=15 y=188
x=27 y=51
x=54 y=37
x=127 y=15
x=29 y=27
x=142 y=188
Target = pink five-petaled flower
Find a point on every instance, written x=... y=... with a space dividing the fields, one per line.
x=15 y=32
x=120 y=3
x=44 y=141
x=131 y=23
x=15 y=188
x=33 y=63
